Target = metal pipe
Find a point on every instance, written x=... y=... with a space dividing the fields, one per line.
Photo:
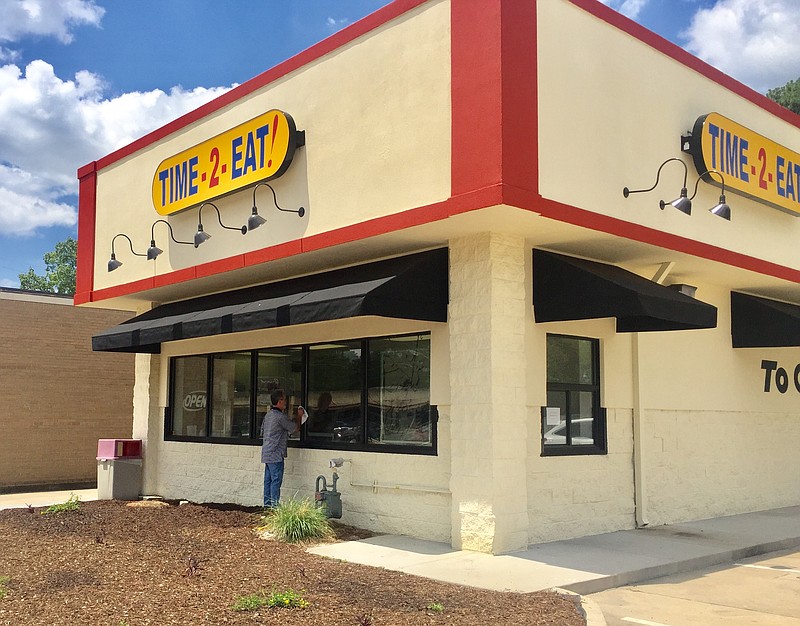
x=375 y=485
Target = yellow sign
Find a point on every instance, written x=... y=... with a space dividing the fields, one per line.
x=751 y=164
x=255 y=151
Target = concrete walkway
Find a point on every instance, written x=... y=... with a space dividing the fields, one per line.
x=44 y=498
x=588 y=564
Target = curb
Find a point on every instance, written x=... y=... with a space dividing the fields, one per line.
x=591 y=612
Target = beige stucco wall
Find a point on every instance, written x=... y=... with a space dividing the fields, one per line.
x=612 y=109
x=376 y=109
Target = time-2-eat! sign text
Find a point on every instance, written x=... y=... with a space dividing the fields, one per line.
x=255 y=151
x=751 y=164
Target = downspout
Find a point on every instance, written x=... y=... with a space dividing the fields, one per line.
x=639 y=483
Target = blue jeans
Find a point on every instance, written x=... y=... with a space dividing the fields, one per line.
x=273 y=477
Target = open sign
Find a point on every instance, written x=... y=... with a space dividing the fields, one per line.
x=195 y=401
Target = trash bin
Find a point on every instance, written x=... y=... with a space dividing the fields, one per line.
x=119 y=469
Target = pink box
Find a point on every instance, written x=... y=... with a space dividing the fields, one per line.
x=119 y=449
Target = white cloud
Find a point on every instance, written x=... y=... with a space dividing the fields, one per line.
x=49 y=127
x=51 y=18
x=755 y=41
x=333 y=24
x=629 y=8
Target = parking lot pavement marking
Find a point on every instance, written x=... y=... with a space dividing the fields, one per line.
x=773 y=568
x=643 y=622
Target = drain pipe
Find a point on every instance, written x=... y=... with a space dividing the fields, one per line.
x=639 y=484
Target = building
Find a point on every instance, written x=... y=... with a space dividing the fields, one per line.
x=57 y=397
x=502 y=346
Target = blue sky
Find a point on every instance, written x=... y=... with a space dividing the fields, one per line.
x=80 y=78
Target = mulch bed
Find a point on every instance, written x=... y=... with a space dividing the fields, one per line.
x=111 y=564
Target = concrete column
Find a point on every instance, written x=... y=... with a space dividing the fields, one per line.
x=488 y=395
x=148 y=418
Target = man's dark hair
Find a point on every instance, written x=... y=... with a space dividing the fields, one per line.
x=276 y=396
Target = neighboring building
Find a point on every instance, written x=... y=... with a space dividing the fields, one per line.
x=57 y=397
x=503 y=348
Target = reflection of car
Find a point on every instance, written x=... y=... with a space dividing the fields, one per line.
x=557 y=435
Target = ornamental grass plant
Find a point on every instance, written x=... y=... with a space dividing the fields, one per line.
x=295 y=521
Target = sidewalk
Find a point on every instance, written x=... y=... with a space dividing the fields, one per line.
x=587 y=564
x=44 y=498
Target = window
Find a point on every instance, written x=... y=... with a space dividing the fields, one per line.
x=573 y=421
x=398 y=391
x=190 y=396
x=362 y=394
x=335 y=378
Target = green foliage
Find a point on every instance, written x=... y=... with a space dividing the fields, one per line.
x=297 y=520
x=4 y=580
x=249 y=603
x=288 y=599
x=73 y=504
x=787 y=96
x=59 y=276
x=435 y=607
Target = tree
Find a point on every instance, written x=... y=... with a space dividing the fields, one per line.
x=787 y=96
x=59 y=276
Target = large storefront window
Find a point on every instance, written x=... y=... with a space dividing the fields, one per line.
x=334 y=390
x=363 y=394
x=230 y=398
x=278 y=368
x=398 y=391
x=190 y=396
x=573 y=421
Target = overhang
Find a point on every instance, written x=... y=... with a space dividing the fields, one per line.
x=763 y=323
x=407 y=287
x=568 y=288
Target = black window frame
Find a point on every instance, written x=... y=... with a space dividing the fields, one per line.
x=255 y=437
x=599 y=421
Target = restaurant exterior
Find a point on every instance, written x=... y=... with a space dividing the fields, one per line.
x=440 y=231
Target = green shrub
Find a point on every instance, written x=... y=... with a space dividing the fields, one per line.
x=73 y=504
x=297 y=520
x=249 y=603
x=4 y=580
x=435 y=607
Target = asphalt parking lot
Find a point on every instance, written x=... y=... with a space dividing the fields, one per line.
x=759 y=591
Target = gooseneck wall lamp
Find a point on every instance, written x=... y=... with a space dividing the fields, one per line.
x=684 y=202
x=255 y=220
x=153 y=251
x=201 y=236
x=113 y=263
x=721 y=209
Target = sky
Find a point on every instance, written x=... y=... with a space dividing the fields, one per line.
x=81 y=78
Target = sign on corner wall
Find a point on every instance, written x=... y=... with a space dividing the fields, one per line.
x=751 y=164
x=257 y=150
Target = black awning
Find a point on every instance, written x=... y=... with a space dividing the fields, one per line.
x=408 y=287
x=763 y=323
x=566 y=288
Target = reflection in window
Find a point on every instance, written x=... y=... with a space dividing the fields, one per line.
x=398 y=391
x=334 y=386
x=189 y=396
x=279 y=368
x=230 y=412
x=573 y=419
